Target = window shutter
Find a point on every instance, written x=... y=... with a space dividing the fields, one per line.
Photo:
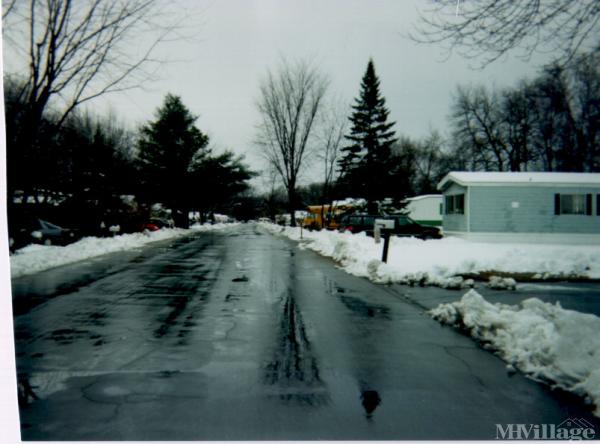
x=557 y=204
x=588 y=204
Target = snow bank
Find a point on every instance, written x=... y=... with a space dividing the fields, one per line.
x=35 y=258
x=548 y=343
x=442 y=262
x=501 y=283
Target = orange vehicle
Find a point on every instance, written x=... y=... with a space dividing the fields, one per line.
x=324 y=216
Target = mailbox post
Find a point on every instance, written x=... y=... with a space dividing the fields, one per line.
x=383 y=227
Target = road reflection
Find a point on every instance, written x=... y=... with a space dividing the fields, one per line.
x=370 y=400
x=367 y=322
x=294 y=368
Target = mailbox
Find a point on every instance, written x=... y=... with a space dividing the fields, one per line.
x=381 y=224
x=384 y=224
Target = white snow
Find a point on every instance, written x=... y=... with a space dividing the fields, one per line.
x=424 y=196
x=350 y=201
x=501 y=283
x=35 y=258
x=546 y=342
x=441 y=262
x=486 y=178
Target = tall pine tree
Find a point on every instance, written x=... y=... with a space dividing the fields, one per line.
x=365 y=163
x=167 y=148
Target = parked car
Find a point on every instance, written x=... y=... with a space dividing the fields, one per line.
x=403 y=226
x=155 y=224
x=39 y=231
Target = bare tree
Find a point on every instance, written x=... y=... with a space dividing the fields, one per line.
x=7 y=6
x=491 y=28
x=331 y=138
x=429 y=162
x=495 y=128
x=516 y=111
x=477 y=128
x=78 y=50
x=64 y=53
x=550 y=123
x=289 y=102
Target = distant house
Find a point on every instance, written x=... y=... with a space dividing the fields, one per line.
x=425 y=209
x=523 y=207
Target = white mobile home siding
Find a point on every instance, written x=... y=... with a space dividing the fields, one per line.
x=456 y=222
x=426 y=209
x=493 y=210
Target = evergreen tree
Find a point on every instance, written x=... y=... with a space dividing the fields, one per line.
x=226 y=176
x=167 y=148
x=365 y=161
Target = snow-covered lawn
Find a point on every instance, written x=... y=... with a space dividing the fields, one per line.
x=443 y=262
x=36 y=258
x=548 y=343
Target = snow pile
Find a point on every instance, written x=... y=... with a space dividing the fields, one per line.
x=500 y=283
x=442 y=262
x=36 y=258
x=548 y=343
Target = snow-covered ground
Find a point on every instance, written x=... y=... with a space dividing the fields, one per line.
x=546 y=342
x=442 y=262
x=36 y=258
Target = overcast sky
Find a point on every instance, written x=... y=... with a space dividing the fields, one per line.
x=237 y=40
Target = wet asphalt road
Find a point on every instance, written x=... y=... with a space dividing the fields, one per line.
x=243 y=335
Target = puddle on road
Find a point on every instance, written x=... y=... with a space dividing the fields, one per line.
x=364 y=309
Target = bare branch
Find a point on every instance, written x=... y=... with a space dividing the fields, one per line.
x=489 y=29
x=289 y=104
x=7 y=7
x=81 y=50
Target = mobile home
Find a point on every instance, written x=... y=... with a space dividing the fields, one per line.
x=523 y=207
x=425 y=209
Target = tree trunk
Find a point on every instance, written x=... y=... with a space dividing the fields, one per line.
x=292 y=205
x=180 y=217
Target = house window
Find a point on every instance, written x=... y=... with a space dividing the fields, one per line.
x=455 y=204
x=573 y=204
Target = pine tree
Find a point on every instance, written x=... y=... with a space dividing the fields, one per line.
x=225 y=175
x=364 y=166
x=167 y=148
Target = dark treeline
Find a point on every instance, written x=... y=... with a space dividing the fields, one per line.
x=549 y=123
x=90 y=172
